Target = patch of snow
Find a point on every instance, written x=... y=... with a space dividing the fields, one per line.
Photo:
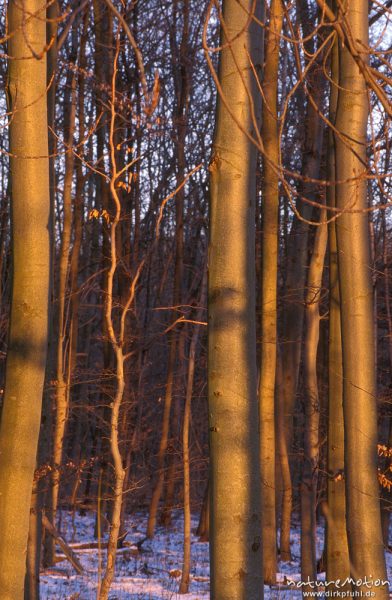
x=153 y=573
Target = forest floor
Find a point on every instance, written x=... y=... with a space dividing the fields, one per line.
x=153 y=573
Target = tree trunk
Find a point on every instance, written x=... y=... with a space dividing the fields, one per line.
x=181 y=86
x=25 y=368
x=283 y=457
x=62 y=384
x=117 y=341
x=385 y=493
x=269 y=275
x=158 y=487
x=52 y=13
x=296 y=268
x=235 y=534
x=103 y=64
x=31 y=591
x=359 y=386
x=203 y=528
x=184 y=584
x=312 y=407
x=78 y=205
x=338 y=562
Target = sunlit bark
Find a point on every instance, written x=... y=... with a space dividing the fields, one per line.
x=338 y=564
x=365 y=541
x=270 y=248
x=235 y=533
x=25 y=368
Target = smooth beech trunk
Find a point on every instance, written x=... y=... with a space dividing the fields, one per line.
x=269 y=275
x=312 y=404
x=26 y=358
x=338 y=562
x=356 y=295
x=235 y=532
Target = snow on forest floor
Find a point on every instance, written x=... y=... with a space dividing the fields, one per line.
x=151 y=573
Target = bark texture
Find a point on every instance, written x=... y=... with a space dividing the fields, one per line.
x=270 y=136
x=356 y=295
x=312 y=405
x=338 y=562
x=25 y=369
x=235 y=534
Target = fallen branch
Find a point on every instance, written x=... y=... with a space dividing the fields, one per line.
x=70 y=555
